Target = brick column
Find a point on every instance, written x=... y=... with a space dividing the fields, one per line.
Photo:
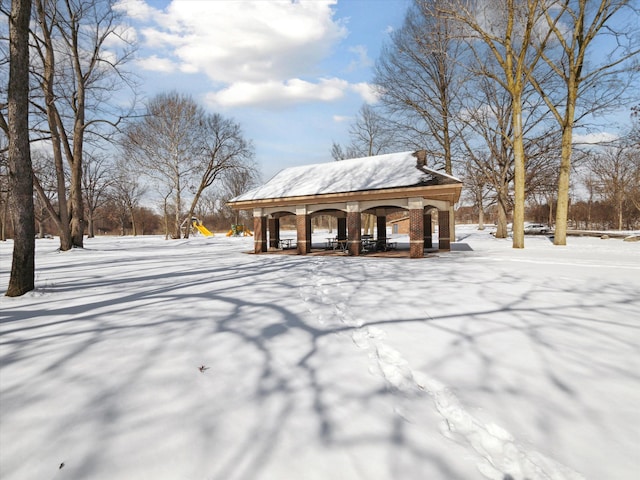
x=303 y=229
x=274 y=232
x=416 y=228
x=428 y=228
x=342 y=228
x=259 y=232
x=444 y=240
x=354 y=227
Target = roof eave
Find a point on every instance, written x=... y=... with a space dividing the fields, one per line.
x=448 y=192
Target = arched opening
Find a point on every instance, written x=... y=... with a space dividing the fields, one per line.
x=333 y=222
x=281 y=230
x=377 y=233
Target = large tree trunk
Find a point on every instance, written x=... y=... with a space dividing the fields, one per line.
x=90 y=226
x=519 y=174
x=22 y=279
x=562 y=208
x=177 y=232
x=134 y=228
x=61 y=216
x=63 y=228
x=77 y=202
x=3 y=222
x=480 y=205
x=501 y=227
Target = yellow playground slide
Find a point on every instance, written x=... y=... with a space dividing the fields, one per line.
x=239 y=230
x=202 y=229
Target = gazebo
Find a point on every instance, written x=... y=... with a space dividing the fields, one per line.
x=378 y=185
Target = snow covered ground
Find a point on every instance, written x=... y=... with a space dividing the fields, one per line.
x=140 y=358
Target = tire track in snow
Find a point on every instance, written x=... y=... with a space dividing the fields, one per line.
x=500 y=455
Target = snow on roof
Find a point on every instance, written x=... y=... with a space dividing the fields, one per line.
x=392 y=170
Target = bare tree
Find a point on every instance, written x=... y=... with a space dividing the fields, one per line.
x=634 y=133
x=44 y=171
x=97 y=178
x=616 y=172
x=369 y=135
x=224 y=150
x=126 y=191
x=634 y=143
x=78 y=76
x=185 y=150
x=476 y=188
x=166 y=143
x=488 y=116
x=4 y=184
x=340 y=153
x=419 y=76
x=235 y=183
x=16 y=127
x=600 y=83
x=506 y=32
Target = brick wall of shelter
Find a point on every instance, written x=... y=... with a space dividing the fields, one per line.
x=259 y=234
x=416 y=233
x=354 y=227
x=303 y=228
x=443 y=230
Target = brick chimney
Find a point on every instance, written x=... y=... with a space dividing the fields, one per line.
x=421 y=155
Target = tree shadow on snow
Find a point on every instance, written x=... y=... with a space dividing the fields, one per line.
x=276 y=373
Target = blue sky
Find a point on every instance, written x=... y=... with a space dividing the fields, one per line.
x=293 y=73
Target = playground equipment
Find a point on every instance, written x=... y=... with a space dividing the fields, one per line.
x=239 y=231
x=197 y=224
x=202 y=229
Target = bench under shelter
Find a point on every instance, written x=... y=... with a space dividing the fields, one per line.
x=380 y=185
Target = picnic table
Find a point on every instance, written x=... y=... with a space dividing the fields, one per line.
x=388 y=244
x=334 y=243
x=286 y=243
x=378 y=245
x=367 y=244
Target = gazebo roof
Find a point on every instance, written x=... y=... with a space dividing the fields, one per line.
x=380 y=172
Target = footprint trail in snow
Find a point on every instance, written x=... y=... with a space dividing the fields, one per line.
x=499 y=455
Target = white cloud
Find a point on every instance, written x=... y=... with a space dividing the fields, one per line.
x=279 y=93
x=121 y=36
x=367 y=91
x=362 y=59
x=136 y=9
x=157 y=64
x=256 y=52
x=594 y=138
x=246 y=41
x=341 y=118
